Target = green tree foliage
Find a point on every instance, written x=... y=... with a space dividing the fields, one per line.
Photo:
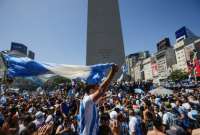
x=23 y=84
x=178 y=75
x=56 y=81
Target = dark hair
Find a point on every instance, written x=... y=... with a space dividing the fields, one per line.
x=27 y=119
x=87 y=90
x=131 y=112
x=148 y=103
x=120 y=117
x=13 y=110
x=105 y=117
x=89 y=87
x=117 y=110
x=31 y=127
x=101 y=108
x=149 y=115
x=1 y=122
x=157 y=122
x=25 y=132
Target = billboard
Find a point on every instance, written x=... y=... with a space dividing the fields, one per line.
x=19 y=47
x=154 y=68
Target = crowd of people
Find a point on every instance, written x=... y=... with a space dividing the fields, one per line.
x=106 y=109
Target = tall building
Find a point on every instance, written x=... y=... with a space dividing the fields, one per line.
x=134 y=59
x=184 y=46
x=104 y=33
x=184 y=33
x=31 y=54
x=147 y=68
x=150 y=69
x=165 y=58
x=154 y=68
x=18 y=49
x=163 y=44
x=138 y=71
x=197 y=47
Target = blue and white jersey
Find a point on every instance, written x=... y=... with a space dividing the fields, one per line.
x=169 y=119
x=135 y=123
x=88 y=117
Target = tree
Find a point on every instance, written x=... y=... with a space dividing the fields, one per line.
x=23 y=83
x=56 y=81
x=178 y=75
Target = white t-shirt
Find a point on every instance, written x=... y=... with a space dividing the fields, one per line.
x=169 y=119
x=132 y=123
x=135 y=125
x=21 y=128
x=88 y=117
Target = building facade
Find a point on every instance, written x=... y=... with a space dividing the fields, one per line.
x=134 y=60
x=165 y=58
x=147 y=68
x=138 y=71
x=184 y=46
x=18 y=49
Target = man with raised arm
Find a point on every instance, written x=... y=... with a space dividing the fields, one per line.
x=88 y=111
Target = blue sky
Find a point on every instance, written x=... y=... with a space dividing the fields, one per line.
x=56 y=29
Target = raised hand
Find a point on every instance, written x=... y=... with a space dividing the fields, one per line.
x=115 y=67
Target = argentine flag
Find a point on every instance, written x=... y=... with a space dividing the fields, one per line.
x=25 y=67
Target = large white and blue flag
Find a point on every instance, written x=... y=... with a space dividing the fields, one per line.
x=24 y=67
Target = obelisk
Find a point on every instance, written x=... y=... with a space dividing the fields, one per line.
x=104 y=33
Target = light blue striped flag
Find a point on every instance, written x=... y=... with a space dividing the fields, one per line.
x=24 y=67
